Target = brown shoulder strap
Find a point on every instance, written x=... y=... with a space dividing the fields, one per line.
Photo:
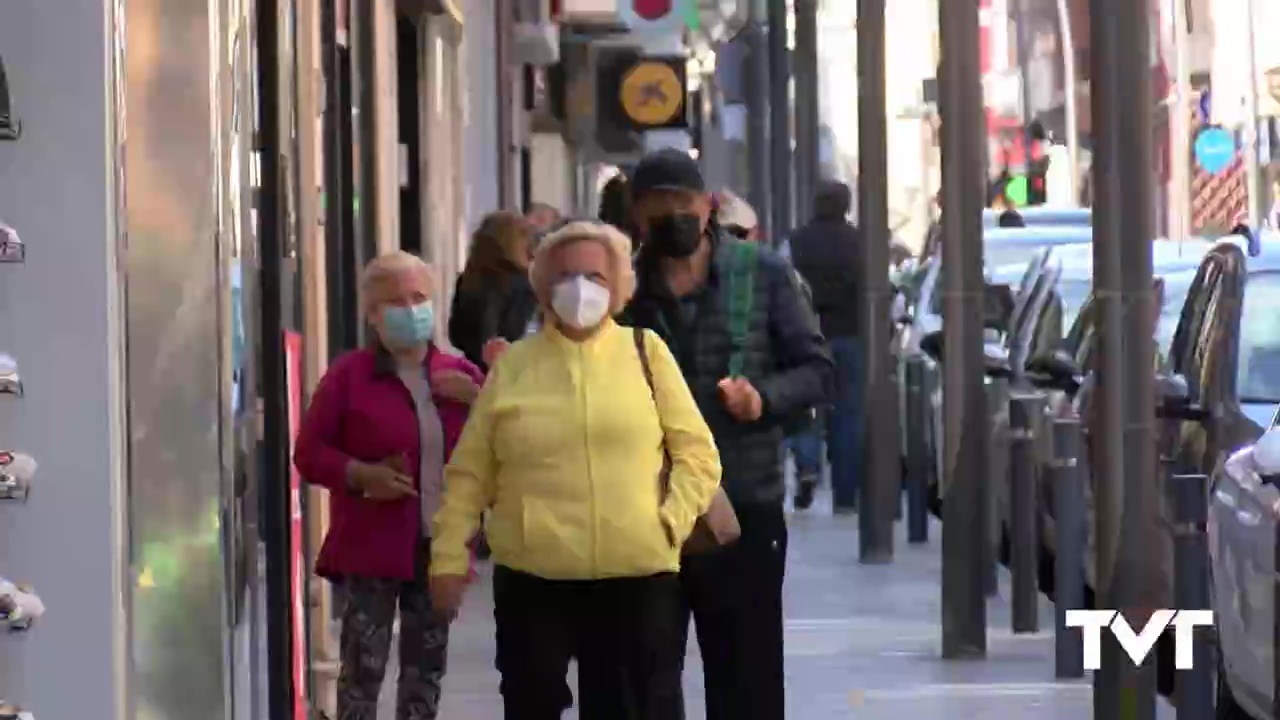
x=664 y=475
x=637 y=334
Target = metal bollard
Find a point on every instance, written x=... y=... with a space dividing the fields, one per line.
x=1070 y=539
x=1025 y=411
x=1189 y=505
x=917 y=477
x=997 y=478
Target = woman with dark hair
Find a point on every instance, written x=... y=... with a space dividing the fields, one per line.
x=615 y=203
x=493 y=303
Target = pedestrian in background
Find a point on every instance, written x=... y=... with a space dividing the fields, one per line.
x=827 y=252
x=752 y=353
x=615 y=203
x=588 y=448
x=736 y=216
x=493 y=303
x=542 y=218
x=381 y=425
x=804 y=439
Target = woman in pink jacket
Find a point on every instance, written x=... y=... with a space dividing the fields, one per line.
x=380 y=428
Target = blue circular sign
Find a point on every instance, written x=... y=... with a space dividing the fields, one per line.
x=1215 y=149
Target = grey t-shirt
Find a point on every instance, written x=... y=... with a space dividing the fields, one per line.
x=431 y=444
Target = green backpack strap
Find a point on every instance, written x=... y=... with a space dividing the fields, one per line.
x=739 y=298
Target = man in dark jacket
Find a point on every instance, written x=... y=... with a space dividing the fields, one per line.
x=753 y=356
x=828 y=255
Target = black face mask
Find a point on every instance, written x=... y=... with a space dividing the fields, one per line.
x=675 y=236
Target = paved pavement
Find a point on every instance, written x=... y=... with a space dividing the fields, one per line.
x=862 y=642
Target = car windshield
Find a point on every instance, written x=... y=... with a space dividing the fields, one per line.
x=1258 y=368
x=1016 y=255
x=1176 y=287
x=1073 y=292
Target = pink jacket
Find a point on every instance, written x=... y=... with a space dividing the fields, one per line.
x=362 y=411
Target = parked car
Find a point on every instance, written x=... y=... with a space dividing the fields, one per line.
x=1076 y=283
x=1242 y=527
x=1041 y=215
x=1217 y=391
x=1017 y=246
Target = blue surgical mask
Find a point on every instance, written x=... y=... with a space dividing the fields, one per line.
x=408 y=326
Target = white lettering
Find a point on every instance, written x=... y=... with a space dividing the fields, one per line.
x=1183 y=625
x=1091 y=623
x=1138 y=645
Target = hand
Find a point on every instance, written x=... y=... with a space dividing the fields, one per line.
x=741 y=399
x=455 y=385
x=383 y=481
x=494 y=350
x=446 y=593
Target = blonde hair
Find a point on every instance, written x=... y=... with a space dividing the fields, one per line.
x=387 y=266
x=623 y=280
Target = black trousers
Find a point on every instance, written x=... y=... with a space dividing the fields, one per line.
x=734 y=595
x=621 y=630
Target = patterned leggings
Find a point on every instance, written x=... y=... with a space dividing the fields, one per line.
x=367 y=619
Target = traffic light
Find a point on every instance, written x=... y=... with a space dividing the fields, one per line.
x=1038 y=181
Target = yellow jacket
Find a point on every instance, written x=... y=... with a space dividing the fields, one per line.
x=564 y=448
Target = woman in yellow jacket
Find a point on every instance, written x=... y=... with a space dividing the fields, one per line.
x=565 y=447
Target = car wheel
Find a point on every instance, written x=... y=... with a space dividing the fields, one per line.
x=1226 y=706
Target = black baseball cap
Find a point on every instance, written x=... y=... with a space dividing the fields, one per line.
x=667 y=169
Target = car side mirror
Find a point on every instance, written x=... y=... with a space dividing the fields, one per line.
x=931 y=344
x=10 y=127
x=1174 y=401
x=995 y=361
x=1055 y=371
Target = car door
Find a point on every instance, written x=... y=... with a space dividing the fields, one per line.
x=1245 y=503
x=1205 y=358
x=1191 y=342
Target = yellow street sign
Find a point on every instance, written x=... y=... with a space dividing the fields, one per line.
x=652 y=93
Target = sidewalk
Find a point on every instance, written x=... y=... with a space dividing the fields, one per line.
x=862 y=642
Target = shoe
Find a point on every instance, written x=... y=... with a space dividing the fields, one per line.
x=805 y=488
x=845 y=510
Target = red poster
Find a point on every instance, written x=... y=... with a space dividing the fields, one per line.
x=297 y=563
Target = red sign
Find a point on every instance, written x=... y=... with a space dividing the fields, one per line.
x=297 y=563
x=652 y=9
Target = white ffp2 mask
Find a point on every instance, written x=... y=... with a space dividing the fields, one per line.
x=580 y=303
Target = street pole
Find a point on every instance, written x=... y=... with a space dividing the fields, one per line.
x=1023 y=45
x=779 y=119
x=757 y=92
x=1253 y=170
x=807 y=120
x=1067 y=37
x=1139 y=585
x=879 y=488
x=964 y=611
x=1104 y=444
x=1127 y=501
x=1180 y=130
